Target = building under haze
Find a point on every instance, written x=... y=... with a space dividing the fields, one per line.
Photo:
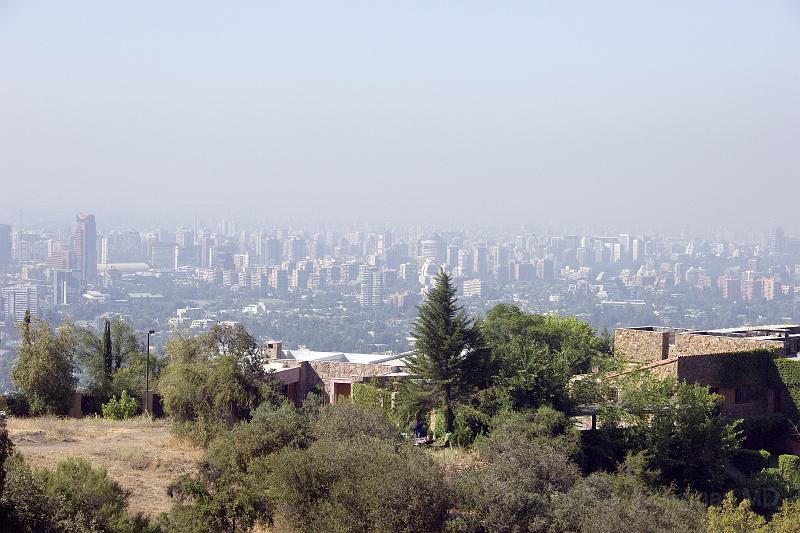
x=5 y=244
x=371 y=285
x=18 y=299
x=84 y=242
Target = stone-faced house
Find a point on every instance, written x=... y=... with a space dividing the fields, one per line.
x=333 y=373
x=741 y=364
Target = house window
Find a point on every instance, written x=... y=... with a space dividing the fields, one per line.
x=749 y=394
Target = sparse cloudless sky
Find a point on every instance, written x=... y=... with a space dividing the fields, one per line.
x=678 y=112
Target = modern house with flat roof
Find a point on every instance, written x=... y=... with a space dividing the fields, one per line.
x=303 y=371
x=730 y=361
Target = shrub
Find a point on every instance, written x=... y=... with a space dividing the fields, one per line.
x=749 y=461
x=347 y=420
x=73 y=497
x=372 y=395
x=214 y=380
x=25 y=507
x=603 y=503
x=120 y=409
x=208 y=506
x=789 y=466
x=357 y=485
x=85 y=493
x=731 y=517
x=270 y=430
x=527 y=463
x=6 y=447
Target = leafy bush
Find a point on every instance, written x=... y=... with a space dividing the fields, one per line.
x=223 y=496
x=85 y=494
x=733 y=517
x=214 y=380
x=477 y=416
x=120 y=409
x=6 y=447
x=527 y=463
x=749 y=461
x=44 y=371
x=372 y=395
x=604 y=503
x=789 y=466
x=347 y=420
x=204 y=505
x=357 y=485
x=270 y=430
x=72 y=498
x=25 y=507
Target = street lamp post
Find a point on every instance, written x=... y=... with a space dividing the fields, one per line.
x=147 y=373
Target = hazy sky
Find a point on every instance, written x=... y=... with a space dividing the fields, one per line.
x=684 y=112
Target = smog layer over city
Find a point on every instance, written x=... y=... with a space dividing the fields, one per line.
x=337 y=237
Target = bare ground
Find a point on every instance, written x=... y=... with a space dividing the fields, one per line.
x=140 y=453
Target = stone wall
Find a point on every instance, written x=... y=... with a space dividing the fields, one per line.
x=325 y=373
x=694 y=344
x=641 y=345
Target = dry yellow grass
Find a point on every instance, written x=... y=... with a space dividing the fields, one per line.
x=139 y=453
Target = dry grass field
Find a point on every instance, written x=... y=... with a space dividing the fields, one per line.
x=140 y=453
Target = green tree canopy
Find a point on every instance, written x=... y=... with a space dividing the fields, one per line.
x=214 y=380
x=111 y=362
x=44 y=372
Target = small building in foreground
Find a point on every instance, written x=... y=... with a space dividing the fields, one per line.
x=331 y=373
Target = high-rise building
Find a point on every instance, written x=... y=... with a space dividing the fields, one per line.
x=21 y=298
x=64 y=286
x=434 y=248
x=545 y=269
x=84 y=242
x=624 y=247
x=5 y=244
x=184 y=238
x=295 y=249
x=121 y=248
x=271 y=252
x=637 y=250
x=452 y=257
x=164 y=255
x=731 y=288
x=772 y=288
x=472 y=288
x=63 y=260
x=777 y=242
x=465 y=263
x=279 y=281
x=480 y=261
x=678 y=274
x=371 y=285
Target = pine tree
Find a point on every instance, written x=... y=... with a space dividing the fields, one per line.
x=107 y=352
x=448 y=353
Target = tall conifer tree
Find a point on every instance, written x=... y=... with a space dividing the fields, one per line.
x=448 y=351
x=107 y=352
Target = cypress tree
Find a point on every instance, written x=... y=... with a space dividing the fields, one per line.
x=107 y=352
x=448 y=353
x=26 y=328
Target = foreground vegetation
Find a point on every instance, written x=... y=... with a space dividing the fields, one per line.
x=662 y=459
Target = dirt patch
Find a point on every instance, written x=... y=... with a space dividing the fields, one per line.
x=140 y=454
